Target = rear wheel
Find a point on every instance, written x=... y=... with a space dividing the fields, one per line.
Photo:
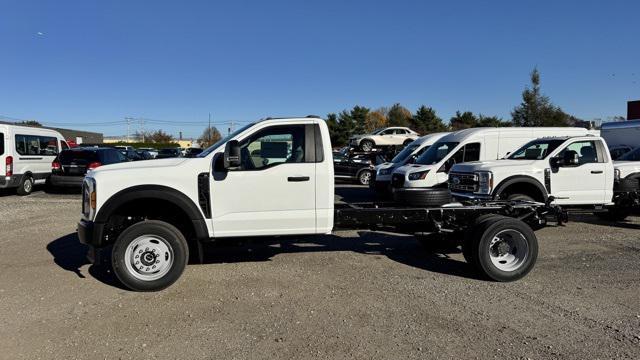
x=364 y=177
x=149 y=256
x=366 y=145
x=26 y=186
x=407 y=142
x=506 y=250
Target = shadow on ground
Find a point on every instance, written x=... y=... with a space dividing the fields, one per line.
x=70 y=255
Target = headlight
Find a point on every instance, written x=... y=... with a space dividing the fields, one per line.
x=616 y=174
x=89 y=198
x=485 y=182
x=385 y=171
x=418 y=175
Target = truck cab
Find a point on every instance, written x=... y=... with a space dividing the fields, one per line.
x=574 y=170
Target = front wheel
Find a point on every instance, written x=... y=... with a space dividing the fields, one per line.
x=364 y=178
x=366 y=145
x=149 y=256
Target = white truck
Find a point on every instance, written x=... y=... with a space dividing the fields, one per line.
x=574 y=171
x=272 y=177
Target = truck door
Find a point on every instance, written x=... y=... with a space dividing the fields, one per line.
x=273 y=191
x=584 y=182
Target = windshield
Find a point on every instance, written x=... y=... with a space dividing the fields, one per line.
x=436 y=153
x=224 y=140
x=404 y=154
x=536 y=150
x=633 y=155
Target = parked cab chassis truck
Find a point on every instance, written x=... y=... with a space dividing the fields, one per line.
x=270 y=178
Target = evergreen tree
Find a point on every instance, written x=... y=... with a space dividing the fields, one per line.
x=426 y=121
x=463 y=120
x=536 y=109
x=398 y=115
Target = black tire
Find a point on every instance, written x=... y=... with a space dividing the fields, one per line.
x=479 y=226
x=174 y=241
x=407 y=142
x=522 y=241
x=26 y=186
x=615 y=213
x=364 y=177
x=367 y=145
x=422 y=196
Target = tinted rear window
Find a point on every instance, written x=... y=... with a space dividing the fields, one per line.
x=67 y=156
x=1 y=143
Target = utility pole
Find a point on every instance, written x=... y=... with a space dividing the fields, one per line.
x=128 y=120
x=142 y=128
x=209 y=131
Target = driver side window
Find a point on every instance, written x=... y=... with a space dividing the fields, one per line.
x=272 y=146
x=586 y=151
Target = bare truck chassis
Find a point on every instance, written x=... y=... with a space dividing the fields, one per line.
x=497 y=237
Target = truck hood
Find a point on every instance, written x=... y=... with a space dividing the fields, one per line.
x=491 y=165
x=143 y=164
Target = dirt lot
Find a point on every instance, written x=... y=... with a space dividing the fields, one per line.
x=350 y=295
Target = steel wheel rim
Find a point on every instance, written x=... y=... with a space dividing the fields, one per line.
x=366 y=146
x=365 y=177
x=28 y=185
x=508 y=250
x=149 y=257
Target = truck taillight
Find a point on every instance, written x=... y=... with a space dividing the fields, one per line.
x=94 y=165
x=8 y=166
x=55 y=165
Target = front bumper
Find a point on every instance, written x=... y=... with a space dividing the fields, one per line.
x=90 y=233
x=381 y=185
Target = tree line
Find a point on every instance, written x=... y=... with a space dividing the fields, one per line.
x=535 y=109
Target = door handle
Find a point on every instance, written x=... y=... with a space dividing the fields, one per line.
x=297 y=178
x=596 y=171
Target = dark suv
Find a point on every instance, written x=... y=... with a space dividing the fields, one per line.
x=355 y=166
x=70 y=166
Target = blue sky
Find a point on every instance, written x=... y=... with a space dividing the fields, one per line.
x=85 y=64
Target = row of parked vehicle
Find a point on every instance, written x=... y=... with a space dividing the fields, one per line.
x=33 y=155
x=574 y=166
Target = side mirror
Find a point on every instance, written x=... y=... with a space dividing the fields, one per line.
x=232 y=155
x=570 y=158
x=554 y=162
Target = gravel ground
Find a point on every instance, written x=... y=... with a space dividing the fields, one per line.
x=353 y=294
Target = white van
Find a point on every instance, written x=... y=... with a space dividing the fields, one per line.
x=432 y=167
x=26 y=154
x=408 y=155
x=621 y=133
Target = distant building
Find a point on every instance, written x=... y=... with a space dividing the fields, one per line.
x=76 y=136
x=185 y=143
x=633 y=110
x=79 y=136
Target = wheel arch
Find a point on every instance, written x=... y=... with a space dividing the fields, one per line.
x=134 y=197
x=525 y=183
